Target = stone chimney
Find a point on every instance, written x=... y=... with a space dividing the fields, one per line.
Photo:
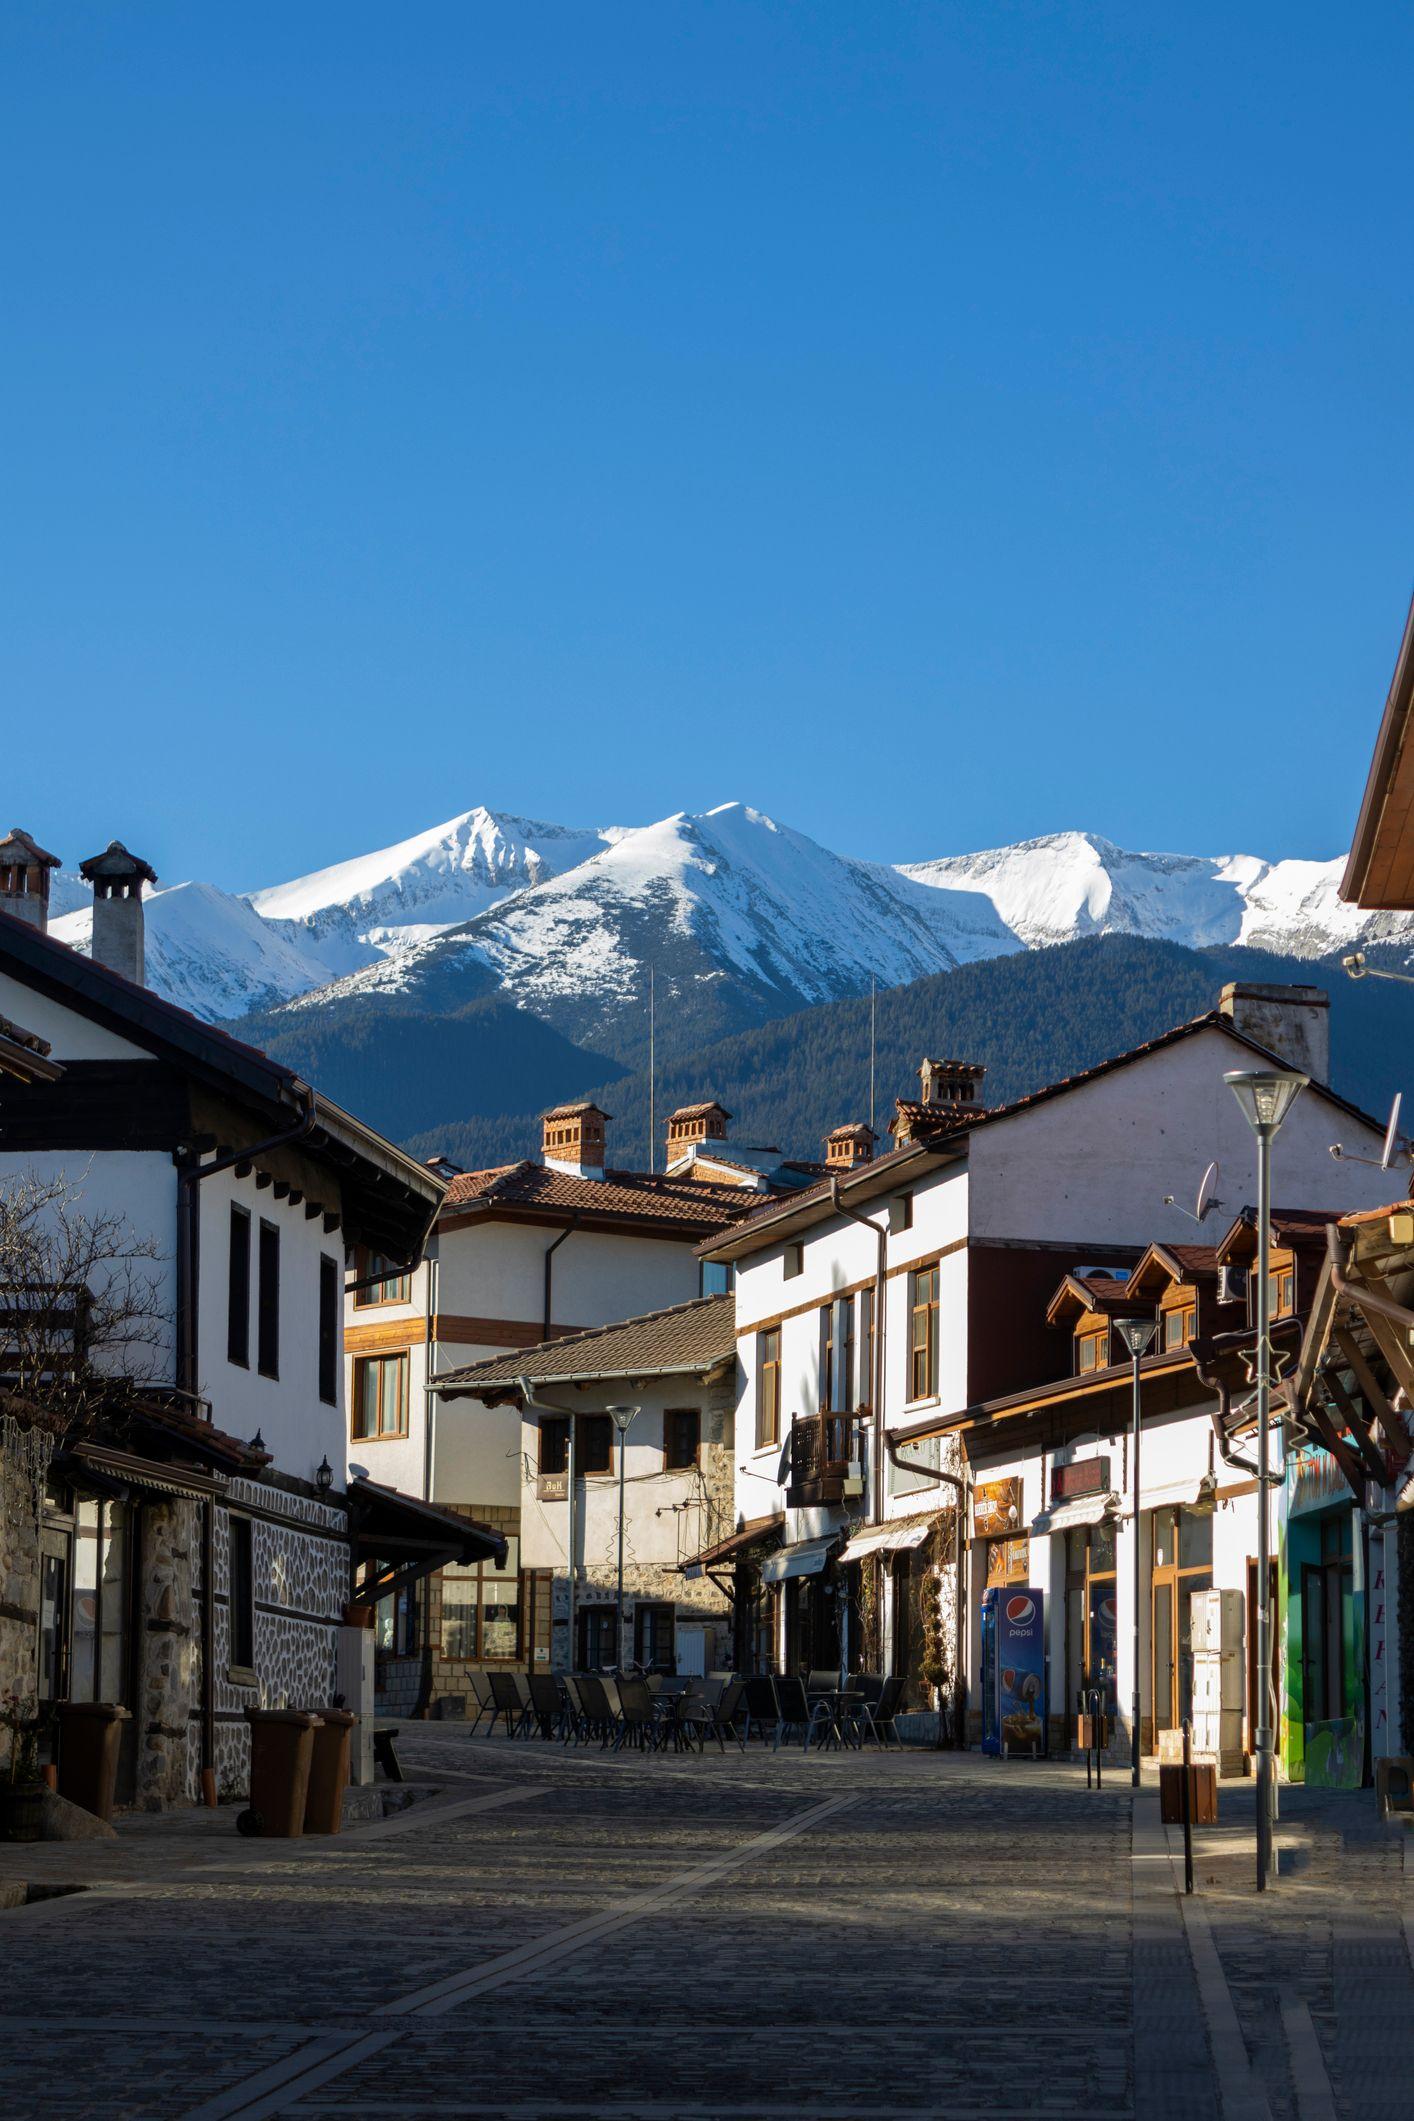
x=573 y=1140
x=24 y=879
x=846 y=1148
x=951 y=1085
x=1292 y=1022
x=117 y=878
x=692 y=1125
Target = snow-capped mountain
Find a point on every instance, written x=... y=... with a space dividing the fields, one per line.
x=210 y=953
x=740 y=918
x=359 y=910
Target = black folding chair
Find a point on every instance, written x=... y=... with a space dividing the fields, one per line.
x=760 y=1706
x=508 y=1706
x=547 y=1704
x=798 y=1712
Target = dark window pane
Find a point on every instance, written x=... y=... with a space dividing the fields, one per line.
x=242 y=1594
x=268 y=1330
x=595 y=1443
x=554 y=1445
x=238 y=1291
x=330 y=1301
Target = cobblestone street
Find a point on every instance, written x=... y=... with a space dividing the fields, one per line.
x=569 y=1934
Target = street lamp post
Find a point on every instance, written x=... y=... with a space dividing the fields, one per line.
x=1137 y=1334
x=623 y=1420
x=1266 y=1096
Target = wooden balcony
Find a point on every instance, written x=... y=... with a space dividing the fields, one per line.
x=826 y=1452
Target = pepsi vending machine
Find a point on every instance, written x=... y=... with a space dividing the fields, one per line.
x=1013 y=1670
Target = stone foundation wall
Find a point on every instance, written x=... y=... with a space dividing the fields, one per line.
x=166 y=1650
x=19 y=1571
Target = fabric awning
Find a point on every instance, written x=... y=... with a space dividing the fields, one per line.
x=1193 y=1493
x=806 y=1559
x=1070 y=1516
x=888 y=1538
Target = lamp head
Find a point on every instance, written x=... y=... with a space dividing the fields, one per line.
x=623 y=1417
x=1137 y=1333
x=1355 y=964
x=324 y=1475
x=1266 y=1095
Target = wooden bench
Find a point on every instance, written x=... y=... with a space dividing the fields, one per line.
x=385 y=1753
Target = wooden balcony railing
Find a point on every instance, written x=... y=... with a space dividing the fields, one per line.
x=825 y=1451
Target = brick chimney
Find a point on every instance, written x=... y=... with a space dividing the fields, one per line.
x=1292 y=1022
x=24 y=879
x=949 y=1090
x=846 y=1148
x=573 y=1140
x=692 y=1125
x=117 y=878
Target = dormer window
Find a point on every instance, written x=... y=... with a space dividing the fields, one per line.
x=1284 y=1292
x=1180 y=1324
x=1092 y=1350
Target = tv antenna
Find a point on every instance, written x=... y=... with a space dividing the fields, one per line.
x=1207 y=1199
x=1396 y=1149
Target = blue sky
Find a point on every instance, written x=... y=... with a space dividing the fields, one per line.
x=936 y=425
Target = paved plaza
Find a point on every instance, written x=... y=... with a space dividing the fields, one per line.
x=568 y=1934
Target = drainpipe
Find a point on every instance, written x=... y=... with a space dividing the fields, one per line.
x=550 y=1250
x=188 y=1349
x=545 y=1406
x=960 y=1485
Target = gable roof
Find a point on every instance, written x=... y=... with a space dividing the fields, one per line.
x=683 y=1207
x=389 y=1198
x=948 y=1141
x=1095 y=1291
x=1380 y=871
x=1296 y=1227
x=1175 y=1263
x=686 y=1340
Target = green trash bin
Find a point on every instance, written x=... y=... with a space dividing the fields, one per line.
x=329 y=1772
x=281 y=1750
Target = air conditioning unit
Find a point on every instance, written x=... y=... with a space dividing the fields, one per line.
x=1232 y=1285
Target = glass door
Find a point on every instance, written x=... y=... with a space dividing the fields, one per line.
x=1183 y=1564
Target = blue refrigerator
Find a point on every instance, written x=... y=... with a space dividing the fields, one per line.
x=1013 y=1670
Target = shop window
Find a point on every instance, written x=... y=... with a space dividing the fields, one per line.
x=1008 y=1561
x=1091 y=1634
x=1181 y=1563
x=481 y=1610
x=395 y=1630
x=597 y=1650
x=682 y=1437
x=768 y=1387
x=654 y=1637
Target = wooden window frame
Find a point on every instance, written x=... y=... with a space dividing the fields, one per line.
x=682 y=1414
x=477 y=1577
x=238 y=1287
x=642 y=1608
x=768 y=1387
x=1096 y=1338
x=1180 y=1325
x=331 y=1311
x=363 y=1366
x=376 y=1297
x=924 y=1292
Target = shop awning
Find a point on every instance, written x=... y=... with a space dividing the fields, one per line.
x=888 y=1538
x=806 y=1559
x=1070 y=1516
x=1193 y=1493
x=403 y=1539
x=756 y=1532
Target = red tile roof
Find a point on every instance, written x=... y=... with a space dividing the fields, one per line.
x=633 y=1195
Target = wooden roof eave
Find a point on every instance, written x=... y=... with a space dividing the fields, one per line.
x=1357 y=886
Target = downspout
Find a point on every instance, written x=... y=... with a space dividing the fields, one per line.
x=550 y=1250
x=188 y=1349
x=1224 y=1392
x=959 y=1483
x=544 y=1406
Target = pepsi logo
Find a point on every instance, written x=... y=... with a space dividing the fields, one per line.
x=1021 y=1611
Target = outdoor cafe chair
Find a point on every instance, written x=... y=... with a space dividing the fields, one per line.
x=708 y=1690
x=636 y=1721
x=509 y=1707
x=821 y=1682
x=576 y=1720
x=547 y=1704
x=798 y=1712
x=878 y=1716
x=760 y=1706
x=600 y=1713
x=696 y=1718
x=730 y=1711
x=485 y=1702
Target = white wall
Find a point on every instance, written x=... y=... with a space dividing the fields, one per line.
x=665 y=1517
x=73 y=1037
x=298 y=1428
x=496 y=1269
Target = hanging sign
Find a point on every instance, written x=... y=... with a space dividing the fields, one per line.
x=996 y=1508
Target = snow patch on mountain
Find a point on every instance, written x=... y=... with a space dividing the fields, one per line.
x=210 y=953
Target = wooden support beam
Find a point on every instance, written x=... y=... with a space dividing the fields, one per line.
x=1326 y=1432
x=282 y=1189
x=331 y=1223
x=295 y=1196
x=313 y=1208
x=1370 y=1454
x=1393 y=1343
x=243 y=1170
x=262 y=1180
x=1391 y=1428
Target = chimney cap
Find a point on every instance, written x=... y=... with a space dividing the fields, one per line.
x=18 y=844
x=116 y=865
x=702 y=1111
x=575 y=1111
x=854 y=1130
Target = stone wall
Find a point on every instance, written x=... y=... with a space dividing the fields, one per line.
x=166 y=1650
x=19 y=1563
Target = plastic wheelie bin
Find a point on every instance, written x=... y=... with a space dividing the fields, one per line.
x=329 y=1772
x=281 y=1748
x=90 y=1736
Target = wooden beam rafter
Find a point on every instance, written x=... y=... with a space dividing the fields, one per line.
x=1371 y=1456
x=1391 y=1429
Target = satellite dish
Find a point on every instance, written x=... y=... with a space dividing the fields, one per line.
x=1207 y=1199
